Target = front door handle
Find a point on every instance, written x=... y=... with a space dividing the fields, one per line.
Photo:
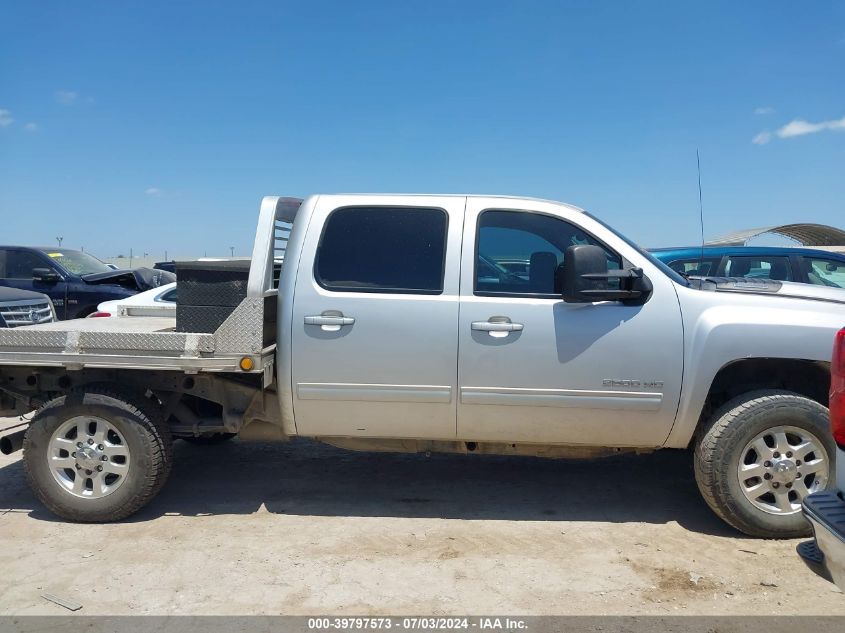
x=496 y=325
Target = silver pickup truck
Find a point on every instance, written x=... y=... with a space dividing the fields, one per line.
x=387 y=323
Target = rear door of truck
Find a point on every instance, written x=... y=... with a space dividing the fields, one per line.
x=375 y=318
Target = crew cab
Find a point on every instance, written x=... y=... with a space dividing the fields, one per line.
x=388 y=323
x=74 y=280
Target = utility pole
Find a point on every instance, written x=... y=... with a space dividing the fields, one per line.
x=232 y=248
x=130 y=258
x=59 y=240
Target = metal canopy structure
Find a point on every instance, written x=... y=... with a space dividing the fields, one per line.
x=805 y=234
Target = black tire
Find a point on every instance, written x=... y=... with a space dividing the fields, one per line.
x=723 y=440
x=148 y=442
x=210 y=439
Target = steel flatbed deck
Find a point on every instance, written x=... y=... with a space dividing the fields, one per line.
x=127 y=343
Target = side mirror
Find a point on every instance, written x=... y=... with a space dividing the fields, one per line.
x=45 y=275
x=577 y=274
x=583 y=277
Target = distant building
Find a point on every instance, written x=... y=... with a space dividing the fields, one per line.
x=820 y=236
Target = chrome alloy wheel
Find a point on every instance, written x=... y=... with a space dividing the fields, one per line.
x=88 y=457
x=781 y=466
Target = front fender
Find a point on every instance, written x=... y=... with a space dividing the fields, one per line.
x=722 y=328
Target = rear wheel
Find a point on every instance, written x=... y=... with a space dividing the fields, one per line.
x=760 y=456
x=97 y=454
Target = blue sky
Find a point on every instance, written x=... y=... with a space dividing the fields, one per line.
x=158 y=126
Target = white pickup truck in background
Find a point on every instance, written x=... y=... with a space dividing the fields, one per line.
x=391 y=325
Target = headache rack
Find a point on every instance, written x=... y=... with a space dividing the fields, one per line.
x=152 y=342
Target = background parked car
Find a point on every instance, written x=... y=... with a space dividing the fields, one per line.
x=22 y=307
x=162 y=302
x=804 y=265
x=75 y=281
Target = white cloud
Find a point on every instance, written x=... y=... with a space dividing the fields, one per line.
x=762 y=138
x=153 y=191
x=799 y=127
x=66 y=97
x=764 y=110
x=5 y=118
x=31 y=127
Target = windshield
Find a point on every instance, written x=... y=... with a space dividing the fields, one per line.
x=673 y=275
x=77 y=262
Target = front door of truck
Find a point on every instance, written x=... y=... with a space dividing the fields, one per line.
x=535 y=369
x=375 y=318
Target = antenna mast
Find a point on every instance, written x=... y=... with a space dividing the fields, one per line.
x=700 y=209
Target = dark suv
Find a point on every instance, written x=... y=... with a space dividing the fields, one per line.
x=75 y=281
x=22 y=307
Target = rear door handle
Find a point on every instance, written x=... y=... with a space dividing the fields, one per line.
x=497 y=324
x=329 y=320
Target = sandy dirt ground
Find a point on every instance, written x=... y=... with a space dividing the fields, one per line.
x=303 y=528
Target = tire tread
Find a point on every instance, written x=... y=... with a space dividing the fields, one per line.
x=159 y=447
x=723 y=431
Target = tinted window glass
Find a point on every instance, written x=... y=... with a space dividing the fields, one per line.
x=518 y=252
x=19 y=264
x=826 y=272
x=776 y=268
x=696 y=267
x=381 y=249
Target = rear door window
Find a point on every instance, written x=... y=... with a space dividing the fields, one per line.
x=383 y=249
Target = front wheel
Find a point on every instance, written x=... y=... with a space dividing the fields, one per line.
x=760 y=455
x=97 y=454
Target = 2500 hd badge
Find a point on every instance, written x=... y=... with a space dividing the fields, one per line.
x=633 y=384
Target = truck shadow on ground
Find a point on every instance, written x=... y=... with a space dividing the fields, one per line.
x=307 y=478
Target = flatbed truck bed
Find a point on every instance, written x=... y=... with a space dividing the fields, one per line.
x=128 y=343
